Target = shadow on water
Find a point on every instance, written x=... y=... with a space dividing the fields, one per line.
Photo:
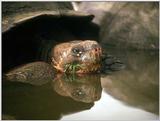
x=138 y=84
x=33 y=101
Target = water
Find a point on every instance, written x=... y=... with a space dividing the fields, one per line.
x=132 y=93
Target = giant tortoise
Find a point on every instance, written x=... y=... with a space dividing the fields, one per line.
x=41 y=42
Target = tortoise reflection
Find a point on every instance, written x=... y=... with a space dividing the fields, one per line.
x=80 y=87
x=26 y=101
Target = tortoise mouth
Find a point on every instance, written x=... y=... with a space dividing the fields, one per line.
x=91 y=61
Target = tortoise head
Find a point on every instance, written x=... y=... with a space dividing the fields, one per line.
x=77 y=56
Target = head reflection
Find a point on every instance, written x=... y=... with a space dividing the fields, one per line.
x=80 y=87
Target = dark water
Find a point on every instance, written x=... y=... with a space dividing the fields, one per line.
x=132 y=93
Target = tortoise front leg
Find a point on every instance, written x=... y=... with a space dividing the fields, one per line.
x=35 y=73
x=110 y=64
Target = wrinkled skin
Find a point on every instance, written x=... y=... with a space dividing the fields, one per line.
x=77 y=57
x=35 y=73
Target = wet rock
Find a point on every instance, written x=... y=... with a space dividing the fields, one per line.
x=138 y=84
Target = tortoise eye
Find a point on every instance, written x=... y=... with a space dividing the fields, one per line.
x=78 y=50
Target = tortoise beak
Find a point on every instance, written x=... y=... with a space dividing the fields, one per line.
x=96 y=52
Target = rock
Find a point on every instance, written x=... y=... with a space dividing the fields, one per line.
x=128 y=25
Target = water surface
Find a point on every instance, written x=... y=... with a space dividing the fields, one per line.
x=132 y=93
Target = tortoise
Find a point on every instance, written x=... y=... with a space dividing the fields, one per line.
x=52 y=44
x=70 y=57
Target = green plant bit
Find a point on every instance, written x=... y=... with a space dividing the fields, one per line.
x=72 y=67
